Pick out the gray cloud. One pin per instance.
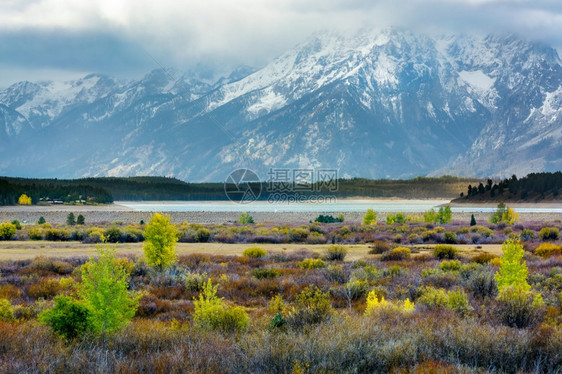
(114, 36)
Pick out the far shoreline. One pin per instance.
(117, 212)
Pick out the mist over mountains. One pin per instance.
(376, 104)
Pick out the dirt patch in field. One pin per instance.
(22, 250)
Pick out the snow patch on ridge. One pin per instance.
(269, 102)
(477, 80)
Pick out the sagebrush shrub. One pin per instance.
(202, 235)
(113, 235)
(548, 249)
(519, 308)
(195, 281)
(211, 312)
(68, 318)
(53, 234)
(433, 297)
(35, 233)
(312, 306)
(7, 231)
(255, 252)
(355, 289)
(44, 289)
(443, 251)
(483, 258)
(378, 247)
(266, 273)
(527, 234)
(455, 300)
(458, 301)
(336, 253)
(549, 233)
(483, 284)
(397, 254)
(452, 265)
(450, 237)
(311, 263)
(6, 310)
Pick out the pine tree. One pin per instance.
(472, 220)
(70, 220)
(80, 220)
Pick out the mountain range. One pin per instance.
(375, 103)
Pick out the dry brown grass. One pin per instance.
(468, 249)
(23, 250)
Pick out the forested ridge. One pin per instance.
(109, 189)
(533, 187)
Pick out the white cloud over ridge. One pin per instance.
(228, 32)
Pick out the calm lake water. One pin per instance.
(337, 206)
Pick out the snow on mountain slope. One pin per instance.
(376, 103)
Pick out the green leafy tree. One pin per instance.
(513, 270)
(104, 291)
(498, 214)
(80, 220)
(370, 217)
(444, 215)
(70, 219)
(245, 218)
(430, 216)
(160, 241)
(41, 220)
(518, 306)
(504, 215)
(24, 200)
(395, 218)
(69, 318)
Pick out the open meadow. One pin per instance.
(406, 296)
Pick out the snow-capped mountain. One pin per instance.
(379, 104)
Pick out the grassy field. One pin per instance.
(24, 250)
(295, 310)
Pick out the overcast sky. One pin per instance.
(54, 39)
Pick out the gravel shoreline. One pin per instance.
(116, 212)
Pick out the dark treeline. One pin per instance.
(533, 187)
(418, 188)
(108, 189)
(40, 189)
